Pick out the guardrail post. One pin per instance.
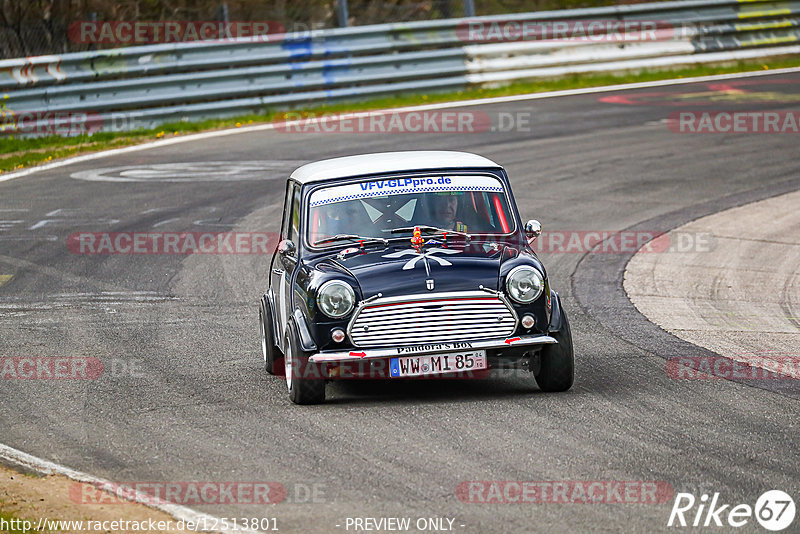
(92, 18)
(342, 15)
(222, 15)
(469, 8)
(444, 8)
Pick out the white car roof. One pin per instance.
(386, 162)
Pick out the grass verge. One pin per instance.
(12, 525)
(19, 153)
(59, 503)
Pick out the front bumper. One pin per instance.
(355, 355)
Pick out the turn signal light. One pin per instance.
(528, 321)
(337, 334)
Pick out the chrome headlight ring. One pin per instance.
(336, 299)
(524, 284)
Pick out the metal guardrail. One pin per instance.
(145, 86)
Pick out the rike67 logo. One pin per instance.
(774, 510)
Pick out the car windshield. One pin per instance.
(378, 208)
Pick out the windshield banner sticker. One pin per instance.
(404, 186)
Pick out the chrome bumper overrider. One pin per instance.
(429, 348)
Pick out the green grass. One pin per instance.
(7, 517)
(18, 153)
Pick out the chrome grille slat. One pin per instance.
(432, 318)
(420, 304)
(446, 309)
(451, 335)
(452, 326)
(436, 313)
(428, 338)
(496, 325)
(468, 304)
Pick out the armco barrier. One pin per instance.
(144, 86)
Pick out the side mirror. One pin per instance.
(533, 229)
(287, 248)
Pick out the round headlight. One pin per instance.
(524, 284)
(336, 299)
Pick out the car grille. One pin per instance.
(432, 318)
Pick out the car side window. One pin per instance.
(294, 219)
(287, 211)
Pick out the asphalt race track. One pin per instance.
(188, 399)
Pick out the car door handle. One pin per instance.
(277, 271)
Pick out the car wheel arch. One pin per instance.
(556, 317)
(268, 301)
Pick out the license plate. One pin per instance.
(436, 364)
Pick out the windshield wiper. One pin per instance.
(429, 230)
(351, 237)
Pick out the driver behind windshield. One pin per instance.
(344, 218)
(444, 210)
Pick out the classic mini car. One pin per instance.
(408, 264)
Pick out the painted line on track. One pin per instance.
(45, 467)
(426, 107)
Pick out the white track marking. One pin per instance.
(153, 210)
(40, 224)
(45, 467)
(156, 225)
(29, 238)
(204, 171)
(443, 105)
(63, 212)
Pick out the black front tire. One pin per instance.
(557, 361)
(269, 350)
(303, 378)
